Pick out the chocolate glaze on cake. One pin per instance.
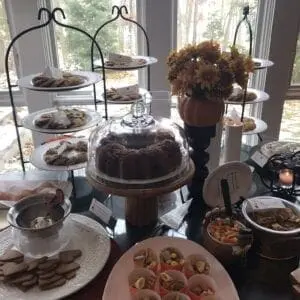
(138, 156)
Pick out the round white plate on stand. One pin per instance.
(261, 96)
(88, 236)
(133, 65)
(117, 284)
(261, 126)
(145, 96)
(37, 157)
(92, 119)
(89, 79)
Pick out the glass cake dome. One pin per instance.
(137, 149)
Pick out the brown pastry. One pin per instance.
(146, 258)
(171, 281)
(171, 259)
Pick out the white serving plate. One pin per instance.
(261, 96)
(117, 284)
(92, 119)
(133, 65)
(89, 79)
(88, 236)
(37, 157)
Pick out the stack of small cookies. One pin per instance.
(46, 273)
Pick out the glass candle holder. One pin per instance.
(286, 177)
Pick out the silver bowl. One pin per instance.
(247, 209)
(34, 218)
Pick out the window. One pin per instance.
(290, 126)
(214, 19)
(73, 48)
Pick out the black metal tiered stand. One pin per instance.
(200, 137)
(119, 14)
(50, 16)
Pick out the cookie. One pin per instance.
(33, 264)
(11, 268)
(47, 275)
(69, 256)
(30, 283)
(70, 275)
(55, 284)
(48, 281)
(67, 268)
(50, 263)
(21, 278)
(11, 255)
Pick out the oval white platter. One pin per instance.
(117, 284)
(133, 65)
(89, 79)
(261, 126)
(261, 96)
(37, 157)
(92, 119)
(263, 63)
(279, 147)
(145, 95)
(88, 236)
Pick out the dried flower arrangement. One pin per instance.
(204, 71)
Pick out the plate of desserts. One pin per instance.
(123, 62)
(250, 125)
(125, 95)
(57, 276)
(55, 80)
(67, 154)
(169, 268)
(279, 147)
(253, 96)
(61, 120)
(260, 63)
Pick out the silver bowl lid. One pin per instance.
(266, 202)
(33, 214)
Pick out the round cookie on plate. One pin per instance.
(202, 287)
(141, 279)
(146, 258)
(176, 296)
(195, 264)
(171, 259)
(171, 281)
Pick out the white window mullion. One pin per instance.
(282, 50)
(29, 48)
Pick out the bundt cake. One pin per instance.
(138, 156)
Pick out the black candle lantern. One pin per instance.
(283, 172)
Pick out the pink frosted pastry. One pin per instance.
(195, 264)
(171, 281)
(141, 279)
(202, 287)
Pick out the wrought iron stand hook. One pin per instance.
(94, 42)
(10, 86)
(244, 19)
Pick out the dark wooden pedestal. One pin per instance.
(199, 140)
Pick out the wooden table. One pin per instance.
(142, 200)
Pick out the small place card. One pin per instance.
(103, 213)
(259, 158)
(265, 203)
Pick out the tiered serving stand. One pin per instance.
(91, 78)
(261, 96)
(141, 199)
